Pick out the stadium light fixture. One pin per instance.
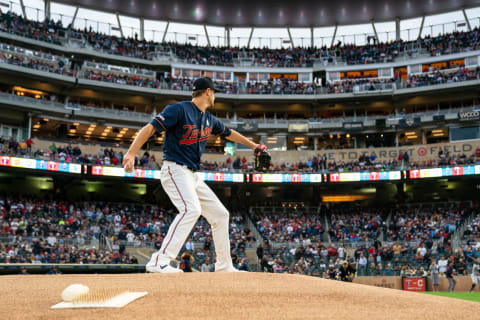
(437, 131)
(410, 133)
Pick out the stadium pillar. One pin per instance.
(206, 34)
(29, 125)
(334, 35)
(375, 31)
(421, 27)
(47, 9)
(397, 29)
(23, 9)
(290, 36)
(250, 37)
(311, 37)
(142, 28)
(466, 20)
(165, 32)
(74, 17)
(227, 32)
(119, 25)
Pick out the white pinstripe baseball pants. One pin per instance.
(192, 197)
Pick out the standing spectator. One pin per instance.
(260, 252)
(475, 273)
(406, 158)
(189, 246)
(461, 267)
(341, 252)
(451, 280)
(434, 271)
(362, 261)
(442, 264)
(206, 267)
(29, 145)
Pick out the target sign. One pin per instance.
(422, 151)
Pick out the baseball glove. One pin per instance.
(262, 158)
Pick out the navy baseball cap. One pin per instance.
(203, 84)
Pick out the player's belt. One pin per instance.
(181, 165)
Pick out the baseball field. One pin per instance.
(474, 296)
(227, 296)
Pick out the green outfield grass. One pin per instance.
(474, 296)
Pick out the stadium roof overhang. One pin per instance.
(275, 13)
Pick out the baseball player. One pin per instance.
(475, 273)
(187, 126)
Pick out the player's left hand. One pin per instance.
(128, 162)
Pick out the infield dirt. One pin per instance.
(227, 296)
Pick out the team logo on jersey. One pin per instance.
(194, 135)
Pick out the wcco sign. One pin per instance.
(469, 115)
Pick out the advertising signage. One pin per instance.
(36, 164)
(365, 176)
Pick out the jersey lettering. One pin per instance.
(193, 135)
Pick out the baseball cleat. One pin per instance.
(165, 268)
(159, 264)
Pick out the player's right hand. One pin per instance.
(128, 162)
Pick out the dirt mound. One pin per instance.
(227, 296)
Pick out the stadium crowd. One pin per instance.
(37, 63)
(425, 222)
(272, 86)
(48, 231)
(286, 57)
(130, 80)
(410, 243)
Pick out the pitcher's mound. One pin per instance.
(227, 296)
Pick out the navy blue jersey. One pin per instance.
(186, 132)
